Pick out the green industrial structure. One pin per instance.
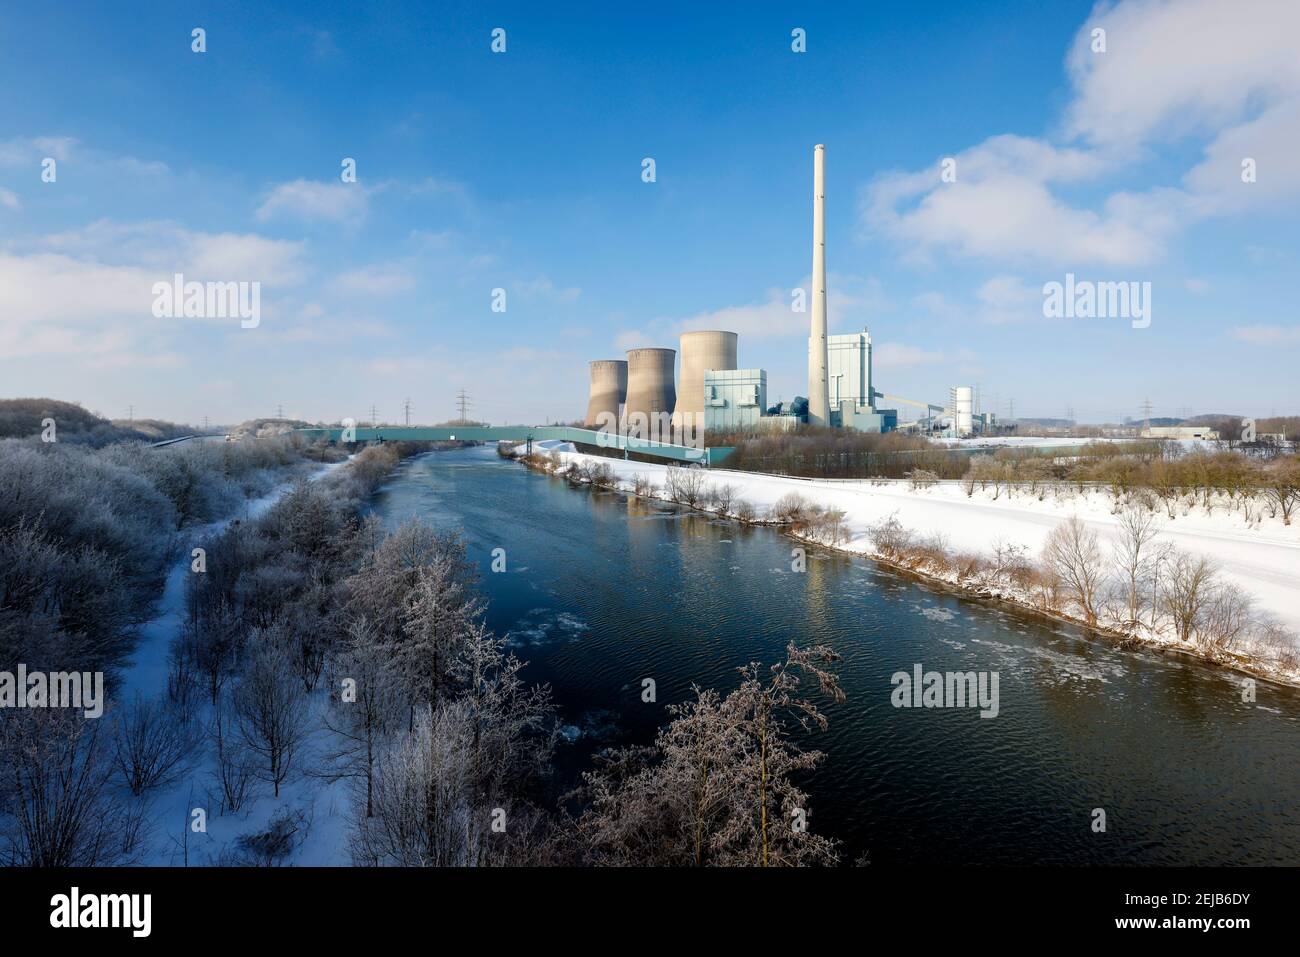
(520, 433)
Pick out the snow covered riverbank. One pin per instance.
(1262, 558)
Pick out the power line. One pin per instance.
(464, 402)
(406, 407)
(373, 415)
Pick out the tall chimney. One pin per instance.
(819, 400)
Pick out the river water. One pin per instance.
(602, 591)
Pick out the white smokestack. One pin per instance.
(818, 385)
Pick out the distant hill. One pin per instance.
(266, 428)
(23, 418)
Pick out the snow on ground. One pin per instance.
(1023, 441)
(323, 803)
(1262, 559)
(147, 672)
(1059, 441)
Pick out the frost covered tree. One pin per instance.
(364, 700)
(58, 805)
(455, 790)
(717, 786)
(439, 614)
(270, 711)
(152, 742)
(423, 809)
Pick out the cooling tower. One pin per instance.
(608, 392)
(650, 390)
(701, 351)
(819, 411)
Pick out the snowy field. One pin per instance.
(1263, 558)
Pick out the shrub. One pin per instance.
(890, 538)
(791, 509)
(151, 744)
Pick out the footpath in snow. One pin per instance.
(323, 803)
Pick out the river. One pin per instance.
(602, 591)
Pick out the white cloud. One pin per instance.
(852, 303)
(88, 293)
(898, 355)
(1008, 299)
(1225, 73)
(314, 201)
(32, 149)
(380, 280)
(1177, 69)
(166, 247)
(544, 289)
(9, 199)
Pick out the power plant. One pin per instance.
(641, 395)
(608, 391)
(701, 352)
(650, 389)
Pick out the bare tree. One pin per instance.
(1072, 552)
(270, 711)
(59, 808)
(890, 538)
(1226, 618)
(724, 497)
(233, 771)
(1186, 591)
(151, 744)
(363, 701)
(685, 486)
(1281, 485)
(423, 812)
(1134, 555)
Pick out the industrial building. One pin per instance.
(642, 394)
(734, 399)
(1184, 432)
(852, 399)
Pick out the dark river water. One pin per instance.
(602, 591)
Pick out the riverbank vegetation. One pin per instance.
(86, 535)
(1136, 587)
(335, 681)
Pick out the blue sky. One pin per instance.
(522, 171)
